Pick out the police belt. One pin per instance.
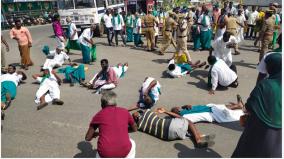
(182, 36)
(169, 30)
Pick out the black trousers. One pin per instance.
(116, 32)
(250, 31)
(109, 32)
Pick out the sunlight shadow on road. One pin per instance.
(186, 152)
(86, 149)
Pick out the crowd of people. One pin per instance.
(219, 31)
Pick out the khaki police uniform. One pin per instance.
(182, 31)
(189, 24)
(170, 25)
(267, 35)
(231, 27)
(148, 21)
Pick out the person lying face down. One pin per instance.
(169, 129)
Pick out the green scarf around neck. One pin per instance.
(44, 77)
(135, 22)
(118, 20)
(129, 21)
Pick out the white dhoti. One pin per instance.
(50, 86)
(119, 70)
(101, 84)
(240, 34)
(219, 33)
(131, 153)
(59, 41)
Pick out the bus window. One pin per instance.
(100, 3)
(84, 4)
(65, 4)
(110, 2)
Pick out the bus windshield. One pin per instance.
(65, 4)
(84, 4)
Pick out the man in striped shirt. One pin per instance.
(170, 128)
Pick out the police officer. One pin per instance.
(182, 30)
(189, 17)
(170, 25)
(231, 27)
(148, 25)
(267, 30)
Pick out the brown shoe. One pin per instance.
(42, 105)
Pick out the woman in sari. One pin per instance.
(262, 135)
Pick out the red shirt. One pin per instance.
(113, 138)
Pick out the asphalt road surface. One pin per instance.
(59, 131)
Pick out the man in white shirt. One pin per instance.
(73, 42)
(220, 75)
(59, 56)
(179, 70)
(231, 9)
(48, 90)
(205, 30)
(9, 83)
(221, 48)
(251, 22)
(86, 41)
(137, 30)
(117, 23)
(109, 28)
(149, 94)
(262, 65)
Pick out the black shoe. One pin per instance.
(42, 105)
(57, 102)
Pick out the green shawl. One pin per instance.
(113, 21)
(129, 21)
(266, 98)
(266, 101)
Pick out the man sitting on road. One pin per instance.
(149, 94)
(58, 57)
(108, 77)
(170, 128)
(220, 75)
(48, 90)
(112, 122)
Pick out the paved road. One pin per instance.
(58, 131)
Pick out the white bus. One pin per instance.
(85, 12)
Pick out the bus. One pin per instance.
(85, 12)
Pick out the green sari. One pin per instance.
(275, 33)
